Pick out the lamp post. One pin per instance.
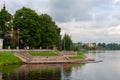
(60, 43)
(64, 44)
(18, 38)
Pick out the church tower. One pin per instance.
(4, 6)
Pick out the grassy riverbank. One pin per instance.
(78, 56)
(46, 53)
(8, 58)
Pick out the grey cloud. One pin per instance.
(79, 10)
(13, 5)
(104, 11)
(60, 4)
(98, 3)
(69, 9)
(96, 35)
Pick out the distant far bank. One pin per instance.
(98, 46)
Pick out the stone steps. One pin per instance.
(67, 53)
(27, 58)
(24, 56)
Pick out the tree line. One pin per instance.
(98, 46)
(27, 28)
(66, 44)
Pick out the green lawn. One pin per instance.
(76, 57)
(8, 58)
(45, 53)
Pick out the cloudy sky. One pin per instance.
(84, 20)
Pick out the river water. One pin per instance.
(109, 69)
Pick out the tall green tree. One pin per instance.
(67, 42)
(27, 21)
(36, 30)
(51, 32)
(5, 26)
(5, 21)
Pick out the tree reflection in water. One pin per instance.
(40, 72)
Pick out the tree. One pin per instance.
(101, 46)
(5, 26)
(66, 42)
(27, 21)
(75, 47)
(5, 21)
(113, 46)
(36, 30)
(51, 32)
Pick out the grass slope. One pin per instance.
(8, 58)
(78, 56)
(44, 53)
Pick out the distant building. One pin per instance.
(91, 44)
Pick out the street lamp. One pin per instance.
(60, 43)
(18, 38)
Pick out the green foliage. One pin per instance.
(100, 46)
(79, 53)
(36, 30)
(8, 58)
(51, 32)
(5, 26)
(5, 22)
(79, 56)
(6, 42)
(44, 53)
(111, 46)
(75, 47)
(76, 57)
(66, 42)
(26, 20)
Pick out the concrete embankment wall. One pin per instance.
(26, 50)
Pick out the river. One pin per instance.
(109, 69)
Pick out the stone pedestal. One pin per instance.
(54, 48)
(27, 47)
(8, 47)
(1, 43)
(17, 47)
(40, 48)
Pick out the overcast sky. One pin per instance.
(84, 20)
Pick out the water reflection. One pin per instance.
(39, 72)
(6, 70)
(109, 69)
